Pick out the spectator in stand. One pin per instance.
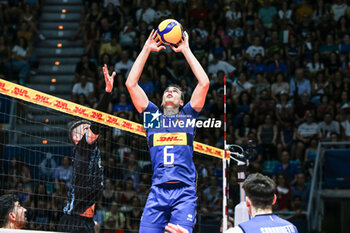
(219, 65)
(338, 9)
(132, 170)
(114, 16)
(274, 45)
(337, 86)
(319, 87)
(201, 31)
(114, 219)
(264, 105)
(146, 84)
(344, 47)
(212, 195)
(300, 189)
(267, 137)
(23, 194)
(254, 49)
(304, 9)
(83, 87)
(285, 13)
(332, 64)
(21, 52)
(257, 66)
(284, 109)
(107, 194)
(285, 166)
(112, 48)
(315, 65)
(319, 11)
(133, 216)
(128, 192)
(287, 138)
(233, 12)
(162, 11)
(328, 126)
(19, 172)
(311, 151)
(279, 86)
(85, 66)
(63, 172)
(261, 85)
(241, 84)
(302, 106)
(283, 192)
(243, 106)
(298, 219)
(268, 14)
(242, 129)
(123, 106)
(306, 131)
(277, 65)
(293, 50)
(300, 84)
(106, 31)
(346, 126)
(146, 13)
(123, 150)
(29, 17)
(329, 47)
(124, 65)
(91, 39)
(127, 35)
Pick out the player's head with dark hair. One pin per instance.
(260, 191)
(173, 96)
(12, 214)
(77, 130)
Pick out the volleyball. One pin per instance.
(170, 32)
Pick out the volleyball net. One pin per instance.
(36, 164)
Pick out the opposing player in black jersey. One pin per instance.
(87, 175)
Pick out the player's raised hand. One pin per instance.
(153, 43)
(108, 79)
(175, 228)
(183, 44)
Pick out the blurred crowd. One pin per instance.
(18, 33)
(287, 65)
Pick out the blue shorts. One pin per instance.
(176, 205)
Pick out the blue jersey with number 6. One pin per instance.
(170, 141)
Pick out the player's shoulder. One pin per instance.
(234, 230)
(283, 221)
(187, 109)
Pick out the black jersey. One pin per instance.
(87, 178)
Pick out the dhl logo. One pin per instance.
(170, 139)
(161, 139)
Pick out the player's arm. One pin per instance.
(138, 96)
(200, 92)
(94, 130)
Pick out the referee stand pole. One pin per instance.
(224, 169)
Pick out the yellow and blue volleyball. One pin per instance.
(170, 32)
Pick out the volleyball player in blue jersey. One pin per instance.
(260, 196)
(172, 197)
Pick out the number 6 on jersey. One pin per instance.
(168, 157)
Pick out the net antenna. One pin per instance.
(241, 157)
